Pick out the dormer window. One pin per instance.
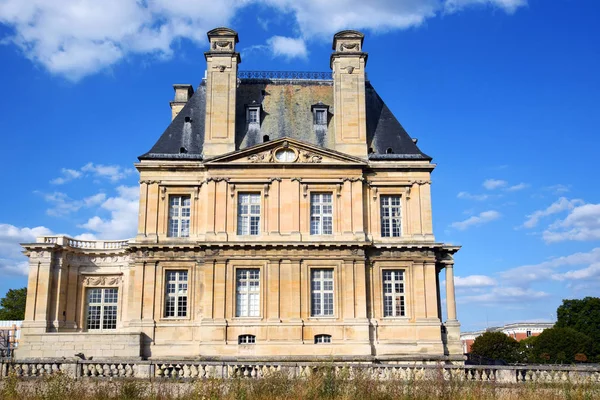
(320, 117)
(319, 112)
(253, 113)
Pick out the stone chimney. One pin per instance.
(182, 94)
(221, 84)
(348, 64)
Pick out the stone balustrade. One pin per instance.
(160, 370)
(84, 244)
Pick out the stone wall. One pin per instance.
(96, 345)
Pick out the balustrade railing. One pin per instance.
(84, 244)
(256, 370)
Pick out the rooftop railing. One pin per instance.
(286, 75)
(83, 244)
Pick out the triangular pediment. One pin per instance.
(285, 151)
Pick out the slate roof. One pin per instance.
(285, 112)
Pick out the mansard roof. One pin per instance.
(285, 112)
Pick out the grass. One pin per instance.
(323, 385)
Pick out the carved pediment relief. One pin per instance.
(286, 151)
(102, 280)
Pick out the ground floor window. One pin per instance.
(102, 308)
(246, 339)
(322, 339)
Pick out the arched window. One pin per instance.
(265, 138)
(319, 339)
(389, 151)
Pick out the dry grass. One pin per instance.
(324, 385)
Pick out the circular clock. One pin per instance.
(285, 155)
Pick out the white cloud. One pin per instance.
(469, 196)
(122, 223)
(562, 204)
(68, 175)
(14, 267)
(287, 47)
(11, 260)
(558, 189)
(582, 224)
(517, 187)
(114, 173)
(510, 6)
(473, 281)
(482, 218)
(593, 271)
(491, 184)
(501, 295)
(75, 38)
(546, 270)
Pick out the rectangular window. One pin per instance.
(393, 293)
(247, 292)
(102, 308)
(253, 115)
(176, 293)
(321, 117)
(391, 217)
(321, 214)
(246, 339)
(248, 214)
(321, 287)
(179, 216)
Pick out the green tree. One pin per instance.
(497, 346)
(12, 306)
(560, 346)
(583, 316)
(526, 349)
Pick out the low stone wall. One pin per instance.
(159, 370)
(91, 345)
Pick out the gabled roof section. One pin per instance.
(299, 153)
(184, 137)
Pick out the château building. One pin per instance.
(282, 216)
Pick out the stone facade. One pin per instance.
(332, 258)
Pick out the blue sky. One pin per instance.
(504, 94)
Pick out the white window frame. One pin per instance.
(391, 224)
(319, 217)
(322, 291)
(394, 289)
(251, 217)
(253, 112)
(320, 116)
(179, 216)
(246, 339)
(322, 339)
(247, 292)
(178, 281)
(105, 302)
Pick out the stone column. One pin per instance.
(450, 298)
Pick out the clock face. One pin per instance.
(285, 155)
